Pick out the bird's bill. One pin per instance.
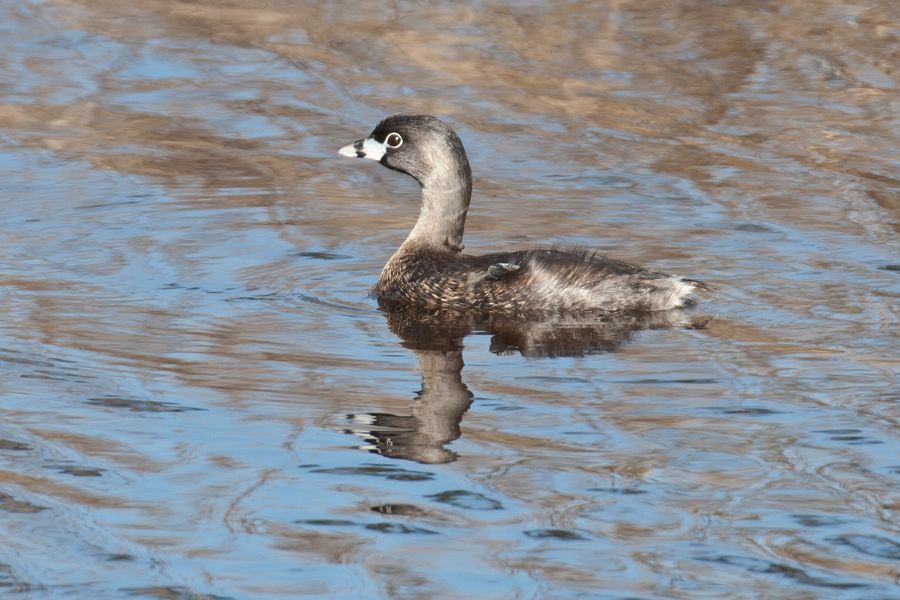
(365, 148)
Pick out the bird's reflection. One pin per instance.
(436, 338)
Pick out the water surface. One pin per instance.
(199, 400)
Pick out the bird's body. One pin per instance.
(525, 281)
(430, 270)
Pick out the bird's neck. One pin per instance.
(445, 202)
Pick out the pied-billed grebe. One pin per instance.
(430, 270)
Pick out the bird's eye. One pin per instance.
(393, 140)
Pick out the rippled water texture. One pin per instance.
(199, 400)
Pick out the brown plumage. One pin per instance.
(429, 269)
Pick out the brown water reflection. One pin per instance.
(185, 322)
(436, 337)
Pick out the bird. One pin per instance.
(430, 270)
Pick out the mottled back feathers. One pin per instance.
(527, 281)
